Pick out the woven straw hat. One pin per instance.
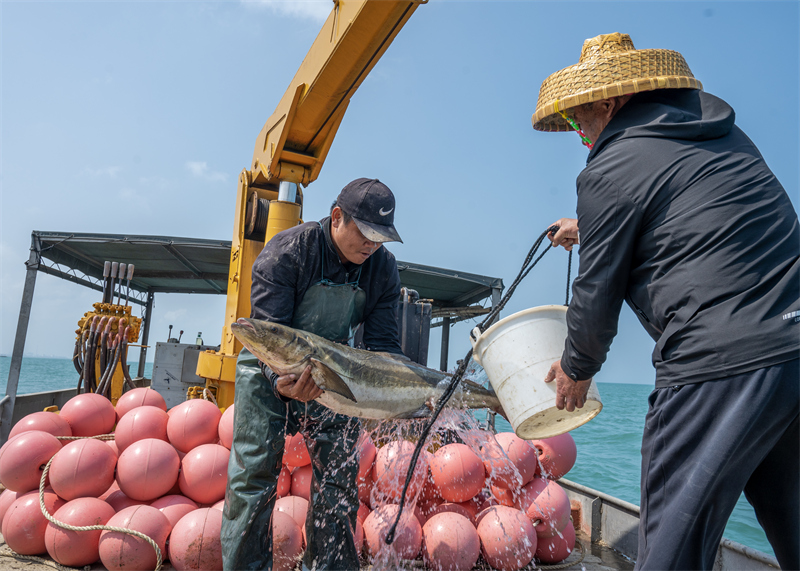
(609, 67)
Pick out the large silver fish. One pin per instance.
(356, 382)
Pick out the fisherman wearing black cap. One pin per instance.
(324, 277)
(681, 218)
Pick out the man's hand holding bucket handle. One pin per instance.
(567, 234)
(569, 394)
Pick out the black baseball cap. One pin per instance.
(371, 205)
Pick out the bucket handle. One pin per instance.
(474, 337)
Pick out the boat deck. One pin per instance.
(596, 558)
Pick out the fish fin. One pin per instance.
(333, 382)
(421, 412)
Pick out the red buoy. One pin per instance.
(225, 429)
(408, 535)
(82, 469)
(520, 453)
(140, 423)
(121, 551)
(301, 481)
(192, 423)
(550, 509)
(457, 472)
(295, 453)
(7, 498)
(508, 541)
(558, 547)
(23, 458)
(143, 396)
(119, 501)
(24, 524)
(45, 421)
(294, 506)
(391, 466)
(77, 548)
(147, 469)
(287, 542)
(89, 414)
(450, 543)
(174, 507)
(204, 473)
(557, 455)
(195, 541)
(284, 481)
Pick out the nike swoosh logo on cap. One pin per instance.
(382, 213)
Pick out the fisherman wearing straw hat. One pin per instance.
(681, 218)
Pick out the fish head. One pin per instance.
(279, 346)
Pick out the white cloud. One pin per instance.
(200, 169)
(316, 10)
(102, 172)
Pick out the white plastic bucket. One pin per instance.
(516, 353)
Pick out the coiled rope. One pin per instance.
(527, 266)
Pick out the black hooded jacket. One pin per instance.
(680, 216)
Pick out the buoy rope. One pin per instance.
(208, 395)
(69, 527)
(6, 551)
(527, 266)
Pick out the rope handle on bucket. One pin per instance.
(69, 527)
(527, 266)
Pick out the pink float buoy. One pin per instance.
(457, 472)
(504, 496)
(174, 507)
(550, 508)
(558, 547)
(147, 469)
(23, 457)
(408, 535)
(6, 499)
(77, 548)
(366, 457)
(139, 397)
(508, 541)
(301, 481)
(192, 423)
(121, 551)
(391, 466)
(295, 453)
(195, 541)
(464, 509)
(359, 537)
(363, 511)
(24, 524)
(114, 487)
(287, 542)
(82, 469)
(284, 481)
(294, 506)
(119, 501)
(140, 423)
(365, 487)
(225, 429)
(500, 470)
(49, 422)
(520, 453)
(204, 473)
(557, 455)
(450, 542)
(113, 445)
(89, 414)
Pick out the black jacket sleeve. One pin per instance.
(609, 223)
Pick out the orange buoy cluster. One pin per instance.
(500, 502)
(164, 475)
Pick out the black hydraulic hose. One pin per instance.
(105, 330)
(527, 266)
(126, 373)
(88, 368)
(102, 387)
(76, 356)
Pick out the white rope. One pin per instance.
(91, 527)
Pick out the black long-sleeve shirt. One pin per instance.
(681, 217)
(291, 262)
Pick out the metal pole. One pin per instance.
(445, 343)
(19, 341)
(148, 312)
(497, 294)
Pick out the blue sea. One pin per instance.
(608, 446)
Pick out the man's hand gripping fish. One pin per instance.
(357, 382)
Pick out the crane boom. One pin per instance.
(291, 149)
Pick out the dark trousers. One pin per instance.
(261, 423)
(704, 444)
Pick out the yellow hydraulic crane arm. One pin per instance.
(295, 140)
(291, 149)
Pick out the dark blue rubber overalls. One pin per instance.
(262, 421)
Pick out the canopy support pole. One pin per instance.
(148, 313)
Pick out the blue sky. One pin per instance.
(136, 117)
